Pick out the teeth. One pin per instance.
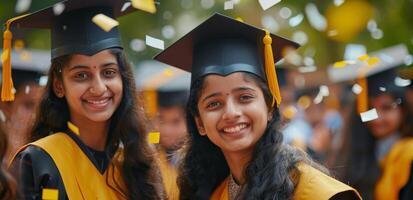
(97, 102)
(235, 128)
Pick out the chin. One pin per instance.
(103, 117)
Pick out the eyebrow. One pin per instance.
(238, 89)
(80, 66)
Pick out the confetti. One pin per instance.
(324, 90)
(363, 57)
(27, 89)
(304, 102)
(373, 61)
(369, 115)
(296, 20)
(402, 82)
(356, 89)
(338, 2)
(154, 137)
(50, 194)
(104, 22)
(289, 112)
(137, 45)
(43, 80)
(58, 8)
(125, 6)
(145, 5)
(307, 69)
(332, 33)
(383, 89)
(2, 116)
(316, 20)
(340, 64)
(154, 42)
(265, 4)
(22, 5)
(228, 5)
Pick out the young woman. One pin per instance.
(235, 148)
(7, 183)
(377, 155)
(89, 136)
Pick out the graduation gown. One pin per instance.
(64, 163)
(313, 184)
(169, 175)
(396, 180)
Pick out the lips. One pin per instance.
(236, 128)
(98, 104)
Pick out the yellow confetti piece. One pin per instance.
(304, 102)
(239, 19)
(340, 64)
(50, 194)
(363, 57)
(168, 72)
(373, 61)
(145, 5)
(18, 45)
(154, 137)
(104, 22)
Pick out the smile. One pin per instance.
(98, 104)
(235, 129)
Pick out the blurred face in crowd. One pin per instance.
(232, 112)
(390, 116)
(409, 99)
(172, 126)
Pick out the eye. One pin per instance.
(213, 105)
(246, 97)
(81, 76)
(109, 73)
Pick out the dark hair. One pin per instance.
(126, 128)
(268, 175)
(359, 165)
(7, 183)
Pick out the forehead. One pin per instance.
(382, 99)
(99, 58)
(227, 83)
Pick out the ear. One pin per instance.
(270, 114)
(200, 126)
(58, 88)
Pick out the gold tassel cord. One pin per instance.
(362, 98)
(7, 93)
(270, 69)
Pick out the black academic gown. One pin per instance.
(34, 169)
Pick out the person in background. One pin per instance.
(377, 155)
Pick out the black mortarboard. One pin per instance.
(170, 98)
(222, 45)
(384, 82)
(72, 31)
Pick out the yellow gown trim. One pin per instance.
(313, 184)
(80, 177)
(169, 176)
(396, 168)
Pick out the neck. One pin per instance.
(93, 134)
(237, 163)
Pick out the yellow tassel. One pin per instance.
(362, 98)
(151, 102)
(7, 87)
(270, 69)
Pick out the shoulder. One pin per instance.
(314, 183)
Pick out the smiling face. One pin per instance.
(233, 113)
(92, 86)
(390, 116)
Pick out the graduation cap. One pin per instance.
(71, 32)
(171, 98)
(221, 45)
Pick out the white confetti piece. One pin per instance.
(402, 82)
(58, 8)
(43, 80)
(296, 20)
(369, 115)
(27, 89)
(316, 20)
(324, 90)
(318, 99)
(104, 22)
(383, 89)
(338, 2)
(228, 5)
(154, 42)
(265, 4)
(356, 89)
(2, 116)
(22, 5)
(125, 6)
(307, 69)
